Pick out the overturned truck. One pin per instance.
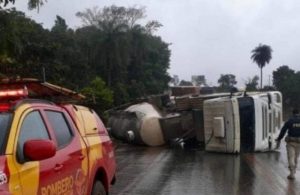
(154, 123)
(145, 124)
(243, 123)
(224, 122)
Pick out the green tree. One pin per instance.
(226, 82)
(261, 55)
(24, 44)
(98, 93)
(32, 4)
(282, 77)
(124, 52)
(116, 28)
(112, 26)
(115, 46)
(67, 64)
(251, 84)
(287, 81)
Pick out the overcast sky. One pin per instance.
(208, 37)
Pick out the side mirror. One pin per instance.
(39, 149)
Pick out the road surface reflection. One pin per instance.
(177, 171)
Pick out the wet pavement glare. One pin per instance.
(177, 171)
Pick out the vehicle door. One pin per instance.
(72, 165)
(31, 125)
(108, 149)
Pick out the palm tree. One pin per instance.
(261, 55)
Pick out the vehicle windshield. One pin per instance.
(5, 119)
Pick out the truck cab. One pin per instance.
(243, 122)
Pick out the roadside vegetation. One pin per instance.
(115, 51)
(32, 4)
(113, 58)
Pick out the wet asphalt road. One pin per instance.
(177, 171)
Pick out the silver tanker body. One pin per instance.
(138, 124)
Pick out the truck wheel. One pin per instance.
(98, 188)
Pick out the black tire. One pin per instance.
(98, 188)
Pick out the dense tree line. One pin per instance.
(32, 4)
(287, 81)
(112, 49)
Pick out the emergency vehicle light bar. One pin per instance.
(14, 93)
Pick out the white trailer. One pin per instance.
(243, 123)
